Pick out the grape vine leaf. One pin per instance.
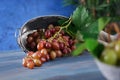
(80, 17)
(88, 26)
(94, 47)
(80, 47)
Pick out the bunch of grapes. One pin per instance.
(45, 45)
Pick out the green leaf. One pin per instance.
(79, 36)
(80, 47)
(94, 28)
(80, 15)
(102, 22)
(90, 31)
(102, 6)
(94, 47)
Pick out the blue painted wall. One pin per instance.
(13, 14)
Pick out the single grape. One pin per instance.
(43, 59)
(47, 34)
(47, 57)
(43, 52)
(55, 45)
(65, 51)
(57, 28)
(35, 34)
(50, 26)
(58, 53)
(66, 38)
(53, 55)
(36, 55)
(52, 30)
(62, 45)
(73, 47)
(29, 54)
(37, 62)
(40, 45)
(38, 40)
(69, 50)
(30, 39)
(30, 64)
(48, 45)
(71, 42)
(33, 45)
(67, 44)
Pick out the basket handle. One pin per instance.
(112, 27)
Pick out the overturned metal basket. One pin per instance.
(36, 23)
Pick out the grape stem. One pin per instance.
(61, 28)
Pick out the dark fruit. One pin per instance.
(36, 55)
(30, 39)
(57, 28)
(47, 34)
(35, 34)
(65, 51)
(37, 62)
(55, 45)
(62, 45)
(42, 59)
(53, 55)
(58, 53)
(30, 65)
(40, 45)
(33, 45)
(29, 54)
(50, 26)
(47, 57)
(48, 45)
(73, 47)
(43, 52)
(52, 30)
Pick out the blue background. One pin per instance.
(14, 13)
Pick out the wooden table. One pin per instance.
(67, 68)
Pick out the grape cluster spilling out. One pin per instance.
(48, 44)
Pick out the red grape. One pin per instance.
(58, 53)
(30, 39)
(48, 45)
(42, 59)
(47, 34)
(37, 62)
(40, 45)
(30, 64)
(62, 45)
(52, 55)
(55, 45)
(44, 52)
(65, 51)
